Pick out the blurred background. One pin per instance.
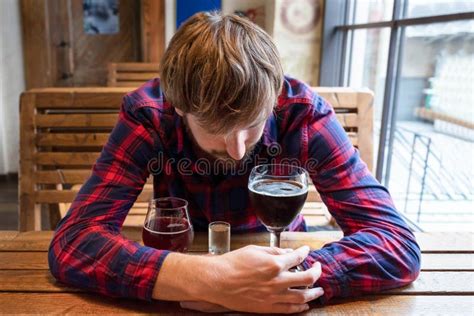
(415, 55)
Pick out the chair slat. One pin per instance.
(150, 67)
(76, 120)
(68, 139)
(348, 119)
(87, 98)
(66, 159)
(62, 176)
(142, 76)
(339, 97)
(129, 83)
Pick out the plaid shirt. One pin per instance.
(378, 251)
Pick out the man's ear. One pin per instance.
(180, 113)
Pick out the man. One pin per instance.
(222, 95)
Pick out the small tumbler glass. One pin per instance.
(219, 238)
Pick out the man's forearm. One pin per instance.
(182, 278)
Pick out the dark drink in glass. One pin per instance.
(277, 203)
(277, 193)
(168, 233)
(167, 225)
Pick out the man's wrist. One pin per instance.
(184, 278)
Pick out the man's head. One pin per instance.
(223, 74)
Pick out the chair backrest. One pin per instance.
(62, 131)
(131, 74)
(354, 111)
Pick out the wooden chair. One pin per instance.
(131, 74)
(62, 131)
(354, 110)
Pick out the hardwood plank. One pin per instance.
(446, 242)
(8, 234)
(89, 303)
(31, 281)
(66, 158)
(14, 260)
(80, 303)
(76, 120)
(428, 283)
(37, 241)
(28, 241)
(445, 261)
(76, 139)
(37, 260)
(440, 282)
(40, 240)
(429, 242)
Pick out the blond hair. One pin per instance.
(223, 69)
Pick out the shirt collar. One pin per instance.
(270, 131)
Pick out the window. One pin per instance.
(418, 58)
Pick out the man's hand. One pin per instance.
(252, 279)
(256, 279)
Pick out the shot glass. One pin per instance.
(219, 238)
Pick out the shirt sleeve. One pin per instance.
(378, 251)
(88, 250)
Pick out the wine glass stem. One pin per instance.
(275, 239)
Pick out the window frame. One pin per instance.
(336, 57)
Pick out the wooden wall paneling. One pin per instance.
(61, 42)
(152, 30)
(36, 55)
(93, 52)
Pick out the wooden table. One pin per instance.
(444, 287)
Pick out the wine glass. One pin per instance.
(277, 192)
(167, 225)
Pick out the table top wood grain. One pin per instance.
(445, 284)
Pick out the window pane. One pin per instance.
(373, 11)
(368, 67)
(418, 8)
(431, 169)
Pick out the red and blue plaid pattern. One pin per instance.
(378, 251)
